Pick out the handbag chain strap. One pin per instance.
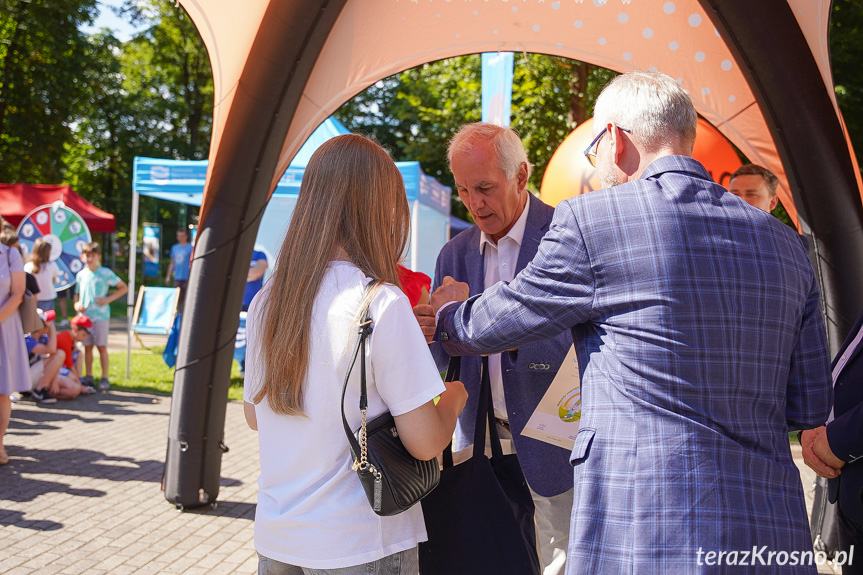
(365, 331)
(360, 448)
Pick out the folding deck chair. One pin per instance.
(154, 311)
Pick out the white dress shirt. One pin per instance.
(500, 261)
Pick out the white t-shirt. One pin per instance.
(45, 279)
(312, 510)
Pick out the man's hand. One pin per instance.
(425, 317)
(811, 458)
(822, 449)
(450, 290)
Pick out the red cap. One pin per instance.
(82, 321)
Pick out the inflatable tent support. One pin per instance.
(285, 48)
(810, 140)
(807, 132)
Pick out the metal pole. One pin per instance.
(130, 297)
(415, 235)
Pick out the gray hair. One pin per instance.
(507, 145)
(755, 170)
(656, 109)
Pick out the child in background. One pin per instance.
(68, 341)
(45, 271)
(92, 298)
(46, 362)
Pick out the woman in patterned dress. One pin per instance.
(14, 368)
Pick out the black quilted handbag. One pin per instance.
(393, 479)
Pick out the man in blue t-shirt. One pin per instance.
(254, 283)
(181, 262)
(255, 277)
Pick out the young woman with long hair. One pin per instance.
(44, 270)
(350, 227)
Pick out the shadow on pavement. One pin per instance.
(22, 489)
(106, 404)
(16, 518)
(42, 418)
(234, 509)
(66, 462)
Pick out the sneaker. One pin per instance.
(87, 380)
(41, 396)
(104, 385)
(62, 324)
(88, 389)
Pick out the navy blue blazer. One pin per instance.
(845, 432)
(526, 373)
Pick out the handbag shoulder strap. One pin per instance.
(494, 436)
(453, 373)
(485, 416)
(365, 330)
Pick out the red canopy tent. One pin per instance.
(18, 200)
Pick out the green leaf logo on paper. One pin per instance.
(569, 408)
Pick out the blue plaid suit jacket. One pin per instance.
(698, 330)
(526, 373)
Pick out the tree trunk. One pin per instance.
(577, 108)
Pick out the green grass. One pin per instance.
(149, 374)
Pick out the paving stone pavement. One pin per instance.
(81, 493)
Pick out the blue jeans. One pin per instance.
(402, 563)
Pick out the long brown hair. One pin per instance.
(352, 199)
(41, 254)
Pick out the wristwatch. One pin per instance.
(800, 437)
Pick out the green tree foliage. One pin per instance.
(167, 72)
(150, 96)
(551, 96)
(846, 53)
(109, 132)
(77, 108)
(415, 113)
(43, 56)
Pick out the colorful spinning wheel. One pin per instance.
(67, 233)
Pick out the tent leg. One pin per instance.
(130, 298)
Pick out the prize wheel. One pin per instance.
(67, 233)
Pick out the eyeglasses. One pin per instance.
(590, 152)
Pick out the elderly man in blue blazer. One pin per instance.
(491, 171)
(698, 331)
(835, 451)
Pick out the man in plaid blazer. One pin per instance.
(698, 330)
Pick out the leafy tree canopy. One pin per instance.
(415, 113)
(43, 57)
